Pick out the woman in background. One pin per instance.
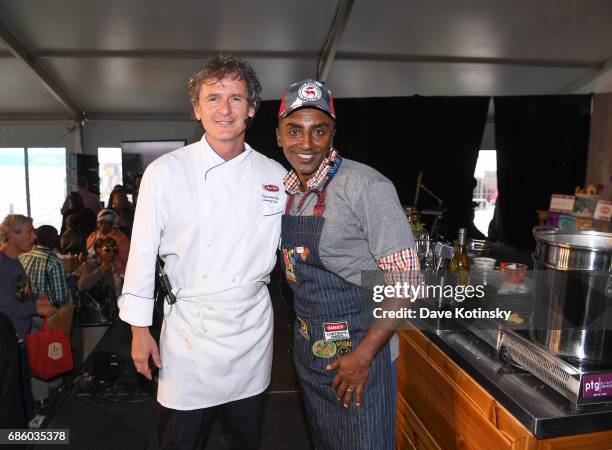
(119, 202)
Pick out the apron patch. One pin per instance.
(324, 349)
(288, 259)
(343, 347)
(336, 331)
(303, 252)
(303, 328)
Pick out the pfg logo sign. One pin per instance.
(597, 385)
(592, 386)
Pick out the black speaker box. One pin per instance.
(90, 427)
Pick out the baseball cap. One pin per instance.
(307, 93)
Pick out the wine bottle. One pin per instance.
(460, 262)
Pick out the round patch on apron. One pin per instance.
(344, 351)
(324, 349)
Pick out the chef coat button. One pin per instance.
(204, 276)
(238, 246)
(210, 307)
(208, 243)
(235, 279)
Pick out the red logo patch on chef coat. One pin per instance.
(270, 187)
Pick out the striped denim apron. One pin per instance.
(322, 298)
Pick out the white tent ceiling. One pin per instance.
(132, 59)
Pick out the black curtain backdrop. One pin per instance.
(261, 135)
(400, 137)
(542, 145)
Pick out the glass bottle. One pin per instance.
(460, 262)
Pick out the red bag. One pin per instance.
(49, 353)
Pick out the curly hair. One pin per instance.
(220, 67)
(14, 223)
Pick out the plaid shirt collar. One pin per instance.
(292, 181)
(40, 250)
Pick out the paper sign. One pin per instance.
(603, 210)
(562, 203)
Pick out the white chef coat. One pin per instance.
(217, 225)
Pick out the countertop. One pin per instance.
(546, 413)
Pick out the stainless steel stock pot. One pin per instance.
(572, 306)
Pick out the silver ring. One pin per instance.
(349, 390)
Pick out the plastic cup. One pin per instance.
(484, 263)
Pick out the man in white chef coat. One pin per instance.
(212, 210)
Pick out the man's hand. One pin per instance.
(143, 346)
(44, 307)
(353, 370)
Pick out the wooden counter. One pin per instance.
(441, 407)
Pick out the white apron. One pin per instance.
(220, 227)
(228, 345)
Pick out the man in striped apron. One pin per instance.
(341, 218)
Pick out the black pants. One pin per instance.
(240, 425)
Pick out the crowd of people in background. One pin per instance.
(41, 272)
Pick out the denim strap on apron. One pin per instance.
(328, 310)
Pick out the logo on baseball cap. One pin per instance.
(307, 93)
